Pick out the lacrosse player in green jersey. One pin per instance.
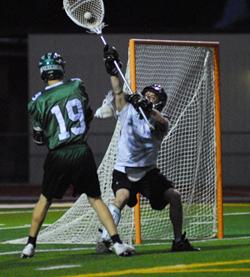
(61, 116)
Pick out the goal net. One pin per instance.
(189, 155)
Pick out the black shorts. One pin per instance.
(72, 165)
(152, 186)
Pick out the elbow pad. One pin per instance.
(38, 136)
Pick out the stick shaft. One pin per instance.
(127, 85)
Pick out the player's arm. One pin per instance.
(161, 122)
(38, 136)
(88, 112)
(110, 55)
(37, 131)
(120, 101)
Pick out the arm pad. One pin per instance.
(38, 136)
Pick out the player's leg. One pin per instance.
(105, 217)
(161, 192)
(86, 181)
(121, 187)
(124, 194)
(54, 185)
(180, 242)
(38, 216)
(115, 208)
(173, 197)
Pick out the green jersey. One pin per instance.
(61, 111)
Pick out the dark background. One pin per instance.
(21, 18)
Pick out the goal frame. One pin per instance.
(215, 46)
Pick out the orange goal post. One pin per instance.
(189, 72)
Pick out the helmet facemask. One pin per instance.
(160, 93)
(51, 66)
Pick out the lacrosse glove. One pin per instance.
(110, 55)
(140, 102)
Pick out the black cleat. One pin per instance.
(183, 245)
(103, 247)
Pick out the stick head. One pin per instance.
(86, 13)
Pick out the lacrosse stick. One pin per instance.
(89, 14)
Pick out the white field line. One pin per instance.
(204, 240)
(59, 267)
(243, 213)
(44, 225)
(30, 206)
(92, 248)
(30, 211)
(49, 250)
(19, 227)
(63, 210)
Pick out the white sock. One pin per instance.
(116, 214)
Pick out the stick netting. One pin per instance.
(187, 155)
(76, 10)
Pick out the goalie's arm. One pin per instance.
(120, 101)
(161, 122)
(110, 56)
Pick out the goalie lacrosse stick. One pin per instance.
(89, 14)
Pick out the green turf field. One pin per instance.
(227, 257)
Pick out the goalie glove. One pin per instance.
(110, 55)
(38, 136)
(140, 102)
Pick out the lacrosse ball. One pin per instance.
(87, 15)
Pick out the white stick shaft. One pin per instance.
(103, 39)
(127, 85)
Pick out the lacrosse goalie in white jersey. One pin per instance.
(135, 169)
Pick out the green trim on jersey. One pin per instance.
(60, 111)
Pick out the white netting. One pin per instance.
(77, 9)
(187, 156)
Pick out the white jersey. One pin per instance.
(138, 146)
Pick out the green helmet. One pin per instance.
(51, 66)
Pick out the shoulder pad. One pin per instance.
(36, 96)
(75, 79)
(80, 81)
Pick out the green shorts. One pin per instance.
(72, 165)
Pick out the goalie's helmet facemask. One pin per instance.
(161, 94)
(51, 66)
